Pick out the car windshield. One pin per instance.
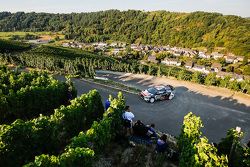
(152, 90)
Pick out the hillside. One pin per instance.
(159, 28)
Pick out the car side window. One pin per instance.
(168, 90)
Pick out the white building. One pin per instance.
(171, 61)
(217, 55)
(200, 69)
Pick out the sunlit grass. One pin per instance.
(52, 35)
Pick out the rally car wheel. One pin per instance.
(171, 96)
(152, 100)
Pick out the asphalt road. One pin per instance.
(217, 115)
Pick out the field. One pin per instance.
(43, 35)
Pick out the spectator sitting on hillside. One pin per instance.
(139, 129)
(161, 145)
(151, 131)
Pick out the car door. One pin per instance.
(158, 95)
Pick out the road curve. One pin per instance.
(218, 114)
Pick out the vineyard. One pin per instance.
(13, 46)
(26, 95)
(65, 133)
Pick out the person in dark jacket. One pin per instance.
(151, 131)
(161, 145)
(140, 129)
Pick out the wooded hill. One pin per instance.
(189, 30)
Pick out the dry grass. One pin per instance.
(44, 35)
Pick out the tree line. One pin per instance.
(189, 30)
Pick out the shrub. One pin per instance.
(194, 150)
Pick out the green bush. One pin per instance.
(231, 146)
(194, 150)
(72, 157)
(198, 77)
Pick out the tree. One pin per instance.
(230, 146)
(211, 79)
(150, 70)
(234, 85)
(245, 61)
(225, 81)
(194, 150)
(246, 70)
(159, 71)
(198, 77)
(140, 68)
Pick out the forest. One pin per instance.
(190, 30)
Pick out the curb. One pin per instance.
(112, 87)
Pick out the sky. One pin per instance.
(227, 7)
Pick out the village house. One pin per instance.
(115, 51)
(230, 59)
(136, 47)
(166, 48)
(203, 55)
(238, 77)
(122, 44)
(200, 68)
(216, 67)
(222, 74)
(177, 54)
(143, 62)
(113, 44)
(233, 76)
(65, 44)
(217, 55)
(152, 59)
(133, 46)
(171, 61)
(148, 47)
(102, 44)
(240, 58)
(189, 64)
